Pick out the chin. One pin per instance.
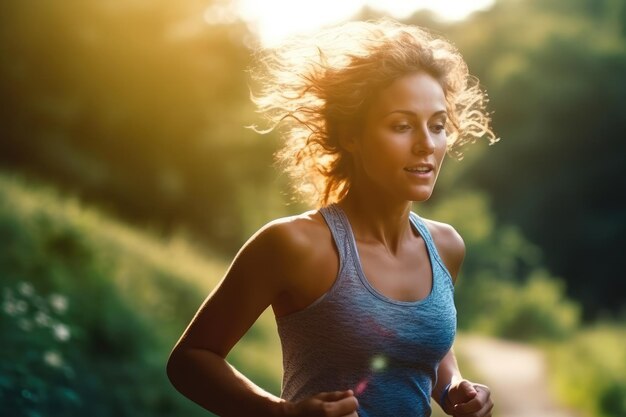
(419, 196)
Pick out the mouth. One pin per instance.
(420, 169)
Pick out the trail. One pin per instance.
(516, 374)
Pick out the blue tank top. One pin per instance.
(354, 337)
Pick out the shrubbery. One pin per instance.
(90, 309)
(533, 311)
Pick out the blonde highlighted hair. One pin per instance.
(320, 87)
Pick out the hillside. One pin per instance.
(91, 308)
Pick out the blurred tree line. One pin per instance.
(138, 105)
(141, 106)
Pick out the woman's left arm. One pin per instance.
(456, 396)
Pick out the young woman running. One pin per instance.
(361, 287)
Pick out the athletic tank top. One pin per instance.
(354, 337)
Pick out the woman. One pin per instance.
(362, 288)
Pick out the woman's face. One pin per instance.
(403, 143)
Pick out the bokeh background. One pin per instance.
(128, 180)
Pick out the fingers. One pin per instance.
(342, 407)
(334, 395)
(479, 406)
(328, 404)
(462, 392)
(468, 389)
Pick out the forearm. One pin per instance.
(447, 373)
(207, 379)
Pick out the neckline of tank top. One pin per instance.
(413, 219)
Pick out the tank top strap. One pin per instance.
(340, 232)
(419, 223)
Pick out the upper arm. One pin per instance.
(252, 283)
(450, 246)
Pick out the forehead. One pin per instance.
(417, 92)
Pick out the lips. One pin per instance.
(420, 168)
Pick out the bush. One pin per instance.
(531, 311)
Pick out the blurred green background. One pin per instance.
(128, 180)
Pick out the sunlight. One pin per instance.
(275, 19)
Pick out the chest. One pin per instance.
(404, 276)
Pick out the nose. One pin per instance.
(423, 142)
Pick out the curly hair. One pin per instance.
(318, 88)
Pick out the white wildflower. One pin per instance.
(42, 319)
(21, 307)
(58, 302)
(53, 359)
(9, 307)
(26, 288)
(61, 332)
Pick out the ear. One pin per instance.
(348, 142)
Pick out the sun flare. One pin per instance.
(275, 19)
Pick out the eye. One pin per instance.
(438, 128)
(401, 127)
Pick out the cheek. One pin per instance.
(375, 145)
(442, 148)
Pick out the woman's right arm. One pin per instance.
(255, 280)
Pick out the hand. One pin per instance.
(325, 404)
(469, 400)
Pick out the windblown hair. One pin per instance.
(319, 88)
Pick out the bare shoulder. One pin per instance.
(294, 246)
(276, 250)
(294, 236)
(299, 258)
(449, 244)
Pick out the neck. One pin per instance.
(377, 220)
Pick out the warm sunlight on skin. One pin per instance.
(275, 19)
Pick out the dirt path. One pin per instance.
(516, 374)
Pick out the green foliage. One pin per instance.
(535, 310)
(140, 106)
(91, 308)
(589, 371)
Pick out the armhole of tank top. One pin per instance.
(329, 217)
(422, 228)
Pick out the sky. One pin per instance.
(275, 19)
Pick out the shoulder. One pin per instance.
(292, 235)
(449, 244)
(296, 257)
(290, 244)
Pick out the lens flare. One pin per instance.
(379, 363)
(361, 387)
